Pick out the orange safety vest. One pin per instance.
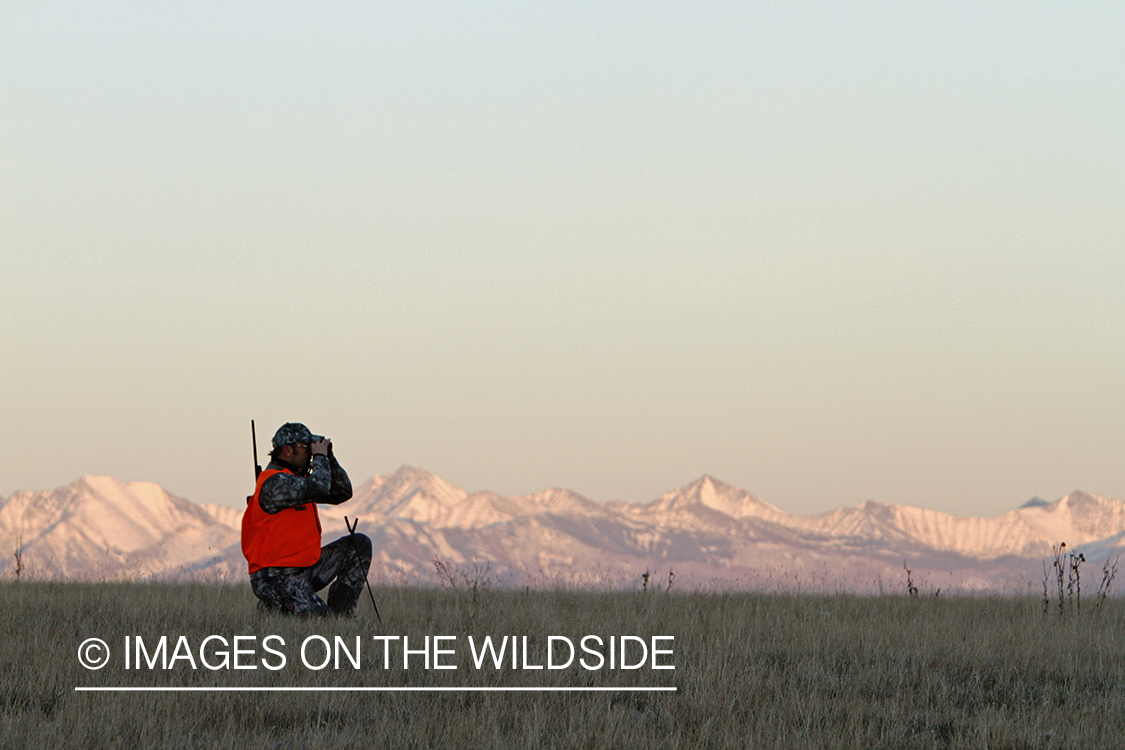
(289, 538)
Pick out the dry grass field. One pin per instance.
(752, 670)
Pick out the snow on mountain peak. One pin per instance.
(410, 493)
(410, 480)
(555, 500)
(101, 523)
(131, 512)
(1077, 518)
(728, 499)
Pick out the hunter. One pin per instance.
(281, 530)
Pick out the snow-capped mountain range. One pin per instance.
(708, 533)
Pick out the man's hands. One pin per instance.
(321, 447)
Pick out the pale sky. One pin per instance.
(826, 252)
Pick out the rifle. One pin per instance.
(257, 466)
(254, 437)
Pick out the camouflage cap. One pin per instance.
(293, 432)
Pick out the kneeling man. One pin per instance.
(281, 530)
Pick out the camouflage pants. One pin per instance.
(293, 590)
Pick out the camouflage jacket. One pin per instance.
(326, 482)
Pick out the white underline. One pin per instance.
(372, 689)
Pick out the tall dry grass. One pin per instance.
(761, 671)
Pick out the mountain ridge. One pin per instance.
(709, 530)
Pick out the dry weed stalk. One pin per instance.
(1059, 572)
(19, 556)
(1074, 579)
(1066, 574)
(472, 578)
(1109, 572)
(1046, 592)
(911, 589)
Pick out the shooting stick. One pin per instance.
(351, 535)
